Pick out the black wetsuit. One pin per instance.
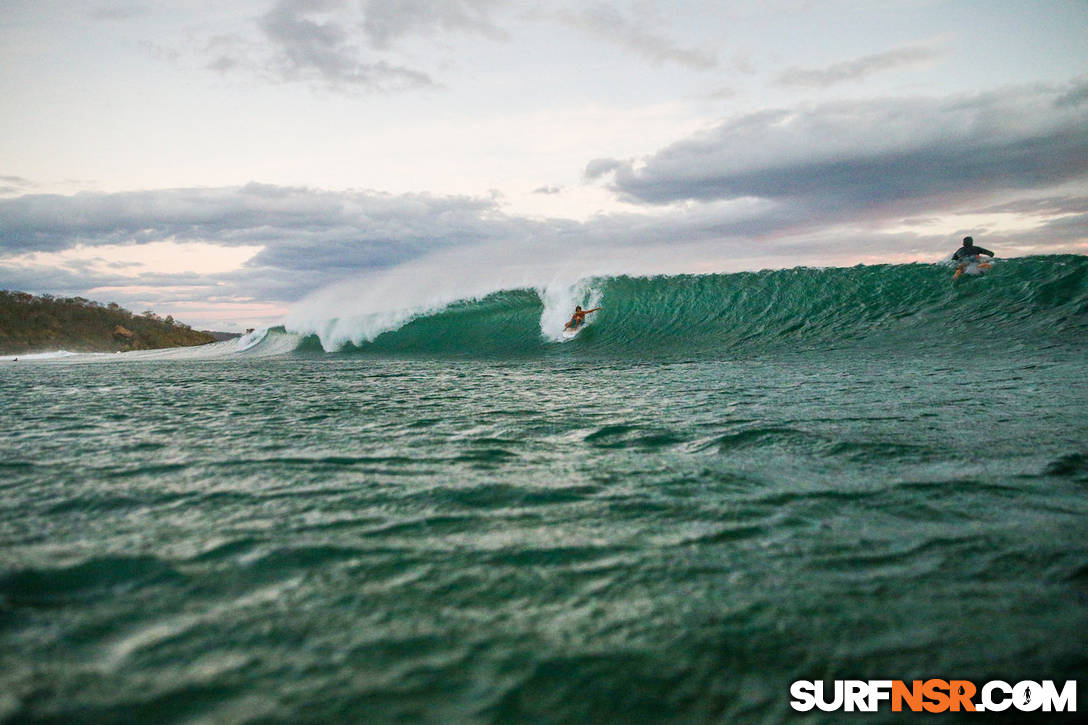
(968, 252)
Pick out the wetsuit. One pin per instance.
(968, 253)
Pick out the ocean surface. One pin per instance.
(723, 484)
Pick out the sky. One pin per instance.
(228, 162)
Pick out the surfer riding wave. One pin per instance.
(578, 318)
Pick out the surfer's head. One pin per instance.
(968, 242)
(577, 308)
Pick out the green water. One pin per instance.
(598, 531)
(1027, 303)
(315, 540)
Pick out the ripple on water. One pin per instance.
(630, 436)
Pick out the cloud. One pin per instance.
(385, 22)
(117, 10)
(341, 46)
(634, 35)
(1046, 206)
(362, 46)
(721, 94)
(842, 158)
(312, 48)
(857, 69)
(10, 185)
(223, 63)
(597, 168)
(161, 53)
(308, 236)
(82, 273)
(1075, 96)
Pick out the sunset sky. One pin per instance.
(223, 161)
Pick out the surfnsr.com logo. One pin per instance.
(933, 696)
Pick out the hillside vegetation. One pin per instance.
(29, 323)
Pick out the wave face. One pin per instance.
(1028, 301)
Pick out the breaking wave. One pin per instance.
(1032, 300)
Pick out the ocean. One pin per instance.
(722, 485)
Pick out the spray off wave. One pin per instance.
(1030, 301)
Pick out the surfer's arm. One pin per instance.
(593, 310)
(980, 250)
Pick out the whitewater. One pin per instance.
(417, 501)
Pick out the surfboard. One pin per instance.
(975, 269)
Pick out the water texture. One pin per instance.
(633, 526)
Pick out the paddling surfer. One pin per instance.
(968, 253)
(579, 317)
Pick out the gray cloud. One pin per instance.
(10, 185)
(16, 182)
(322, 50)
(842, 158)
(310, 238)
(117, 10)
(352, 47)
(345, 47)
(322, 228)
(160, 52)
(223, 64)
(597, 168)
(858, 68)
(721, 94)
(385, 22)
(1076, 95)
(632, 34)
(1046, 206)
